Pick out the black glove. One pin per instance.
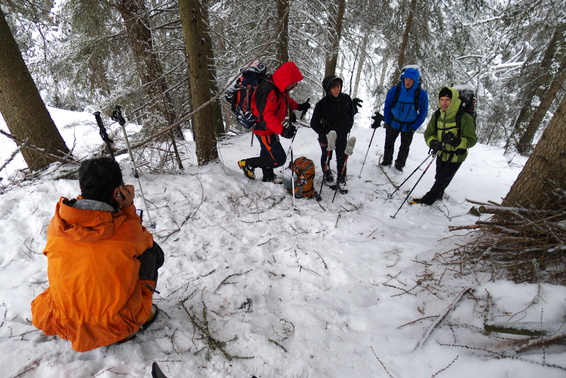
(289, 132)
(451, 139)
(357, 102)
(292, 117)
(435, 146)
(377, 119)
(304, 106)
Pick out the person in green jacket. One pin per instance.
(449, 134)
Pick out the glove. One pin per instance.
(451, 139)
(357, 102)
(377, 120)
(435, 146)
(304, 106)
(289, 132)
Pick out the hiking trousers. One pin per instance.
(271, 155)
(391, 135)
(445, 172)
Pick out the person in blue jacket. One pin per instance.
(406, 107)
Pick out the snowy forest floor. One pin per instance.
(256, 284)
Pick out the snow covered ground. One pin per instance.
(293, 288)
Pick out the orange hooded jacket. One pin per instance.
(95, 297)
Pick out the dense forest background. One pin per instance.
(91, 55)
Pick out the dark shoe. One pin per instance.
(385, 163)
(328, 176)
(399, 168)
(151, 318)
(270, 178)
(416, 201)
(248, 171)
(342, 186)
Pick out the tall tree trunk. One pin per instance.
(524, 145)
(363, 55)
(539, 75)
(283, 8)
(22, 107)
(544, 171)
(148, 66)
(207, 125)
(336, 32)
(404, 42)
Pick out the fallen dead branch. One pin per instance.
(441, 317)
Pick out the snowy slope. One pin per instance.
(293, 288)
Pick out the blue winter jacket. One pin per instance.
(403, 116)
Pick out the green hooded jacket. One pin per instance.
(446, 123)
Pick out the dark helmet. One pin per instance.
(328, 81)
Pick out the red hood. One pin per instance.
(287, 74)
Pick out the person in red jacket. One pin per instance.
(101, 264)
(271, 103)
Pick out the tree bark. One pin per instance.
(524, 146)
(336, 32)
(22, 107)
(544, 171)
(538, 74)
(200, 61)
(283, 38)
(404, 42)
(148, 66)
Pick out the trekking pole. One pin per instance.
(117, 116)
(331, 146)
(377, 121)
(426, 169)
(349, 150)
(390, 195)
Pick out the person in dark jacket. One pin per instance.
(335, 111)
(406, 107)
(273, 106)
(449, 134)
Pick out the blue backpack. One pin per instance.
(241, 93)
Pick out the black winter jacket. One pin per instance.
(334, 113)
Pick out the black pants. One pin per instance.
(271, 155)
(340, 154)
(391, 135)
(151, 260)
(445, 172)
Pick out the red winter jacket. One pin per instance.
(275, 109)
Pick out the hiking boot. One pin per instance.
(273, 178)
(328, 177)
(416, 201)
(342, 186)
(398, 169)
(150, 319)
(385, 163)
(248, 171)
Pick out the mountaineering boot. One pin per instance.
(328, 177)
(342, 186)
(248, 171)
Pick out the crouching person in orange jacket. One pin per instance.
(101, 263)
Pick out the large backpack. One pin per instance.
(240, 94)
(468, 98)
(302, 170)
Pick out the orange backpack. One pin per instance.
(303, 172)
